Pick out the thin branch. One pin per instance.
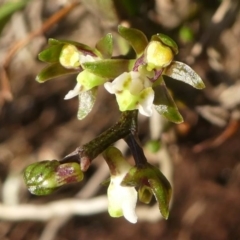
(53, 209)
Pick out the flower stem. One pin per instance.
(136, 150)
(85, 154)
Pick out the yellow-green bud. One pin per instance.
(69, 56)
(158, 55)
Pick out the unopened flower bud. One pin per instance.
(43, 178)
(158, 55)
(69, 56)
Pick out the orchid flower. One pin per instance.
(121, 200)
(71, 57)
(133, 89)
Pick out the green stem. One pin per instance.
(137, 151)
(92, 149)
(120, 130)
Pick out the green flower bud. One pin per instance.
(43, 178)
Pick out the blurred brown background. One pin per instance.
(200, 157)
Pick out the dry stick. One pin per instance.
(6, 92)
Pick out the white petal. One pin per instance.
(129, 204)
(117, 85)
(87, 58)
(109, 87)
(122, 201)
(145, 106)
(73, 93)
(136, 85)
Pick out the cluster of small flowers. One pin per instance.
(133, 89)
(138, 85)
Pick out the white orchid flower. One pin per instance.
(71, 57)
(133, 90)
(121, 200)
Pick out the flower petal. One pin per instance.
(122, 201)
(73, 93)
(145, 105)
(87, 58)
(137, 83)
(118, 84)
(129, 204)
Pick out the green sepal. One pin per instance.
(80, 46)
(165, 105)
(109, 68)
(182, 72)
(137, 39)
(155, 181)
(51, 54)
(86, 102)
(105, 46)
(43, 178)
(54, 70)
(166, 40)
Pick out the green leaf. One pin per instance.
(182, 72)
(109, 68)
(51, 54)
(8, 9)
(52, 71)
(105, 46)
(165, 105)
(136, 38)
(86, 102)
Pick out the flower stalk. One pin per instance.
(85, 154)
